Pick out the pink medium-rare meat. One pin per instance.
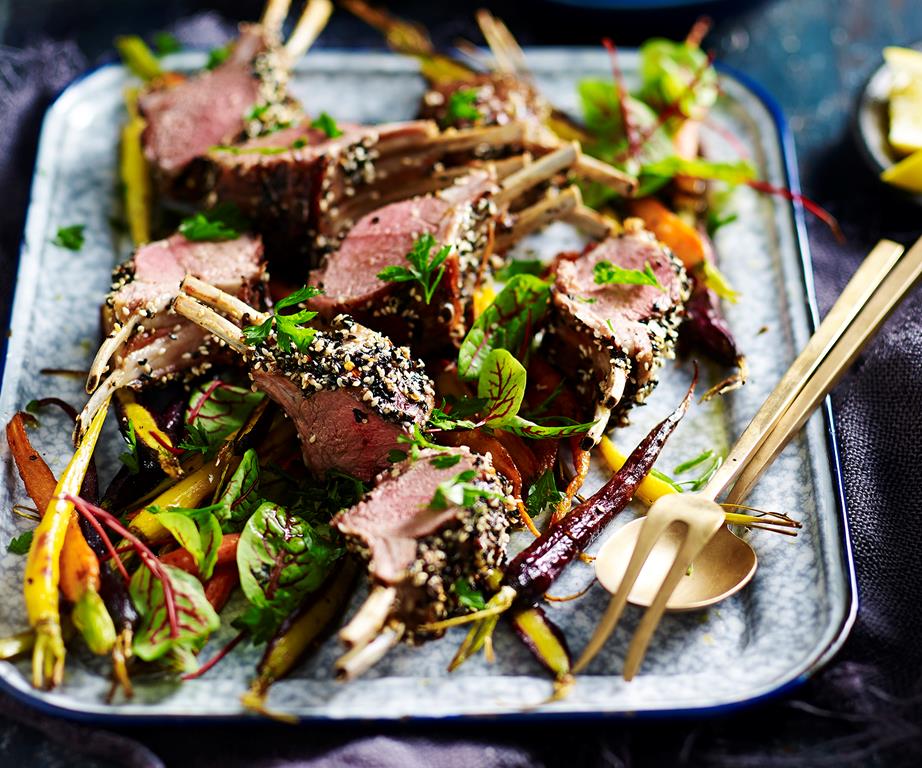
(304, 189)
(350, 396)
(457, 217)
(616, 333)
(422, 547)
(183, 121)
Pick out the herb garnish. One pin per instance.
(462, 106)
(606, 273)
(217, 56)
(130, 458)
(425, 268)
(223, 222)
(326, 124)
(288, 328)
(165, 43)
(20, 545)
(70, 237)
(542, 494)
(460, 491)
(469, 597)
(515, 267)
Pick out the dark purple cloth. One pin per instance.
(863, 709)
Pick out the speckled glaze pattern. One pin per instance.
(765, 638)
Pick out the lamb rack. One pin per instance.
(613, 337)
(145, 341)
(302, 186)
(462, 97)
(245, 95)
(350, 393)
(471, 217)
(421, 540)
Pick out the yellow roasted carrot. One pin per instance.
(650, 489)
(134, 172)
(191, 491)
(43, 569)
(79, 579)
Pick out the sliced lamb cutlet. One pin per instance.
(351, 394)
(246, 94)
(466, 217)
(146, 341)
(419, 545)
(304, 189)
(615, 337)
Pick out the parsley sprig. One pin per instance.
(462, 105)
(460, 491)
(606, 273)
(70, 237)
(327, 124)
(425, 268)
(20, 545)
(223, 222)
(289, 329)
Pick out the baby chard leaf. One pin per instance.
(508, 323)
(281, 558)
(502, 384)
(215, 411)
(606, 273)
(198, 531)
(197, 619)
(240, 497)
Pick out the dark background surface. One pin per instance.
(813, 56)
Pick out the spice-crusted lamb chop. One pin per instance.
(245, 95)
(468, 218)
(145, 340)
(430, 522)
(614, 337)
(350, 392)
(303, 189)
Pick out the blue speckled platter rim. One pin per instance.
(822, 653)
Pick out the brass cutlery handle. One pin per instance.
(892, 291)
(860, 289)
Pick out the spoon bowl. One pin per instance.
(724, 566)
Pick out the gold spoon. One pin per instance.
(727, 563)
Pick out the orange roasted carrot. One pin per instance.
(79, 564)
(36, 476)
(222, 582)
(681, 238)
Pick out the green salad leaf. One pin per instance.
(506, 324)
(152, 639)
(677, 73)
(217, 409)
(281, 558)
(606, 273)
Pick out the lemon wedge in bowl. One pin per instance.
(905, 133)
(906, 174)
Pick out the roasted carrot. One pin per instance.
(43, 570)
(222, 582)
(681, 238)
(79, 565)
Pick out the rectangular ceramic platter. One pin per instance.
(749, 646)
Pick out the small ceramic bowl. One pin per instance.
(871, 123)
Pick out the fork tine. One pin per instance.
(698, 533)
(652, 528)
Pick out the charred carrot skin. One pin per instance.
(43, 571)
(534, 569)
